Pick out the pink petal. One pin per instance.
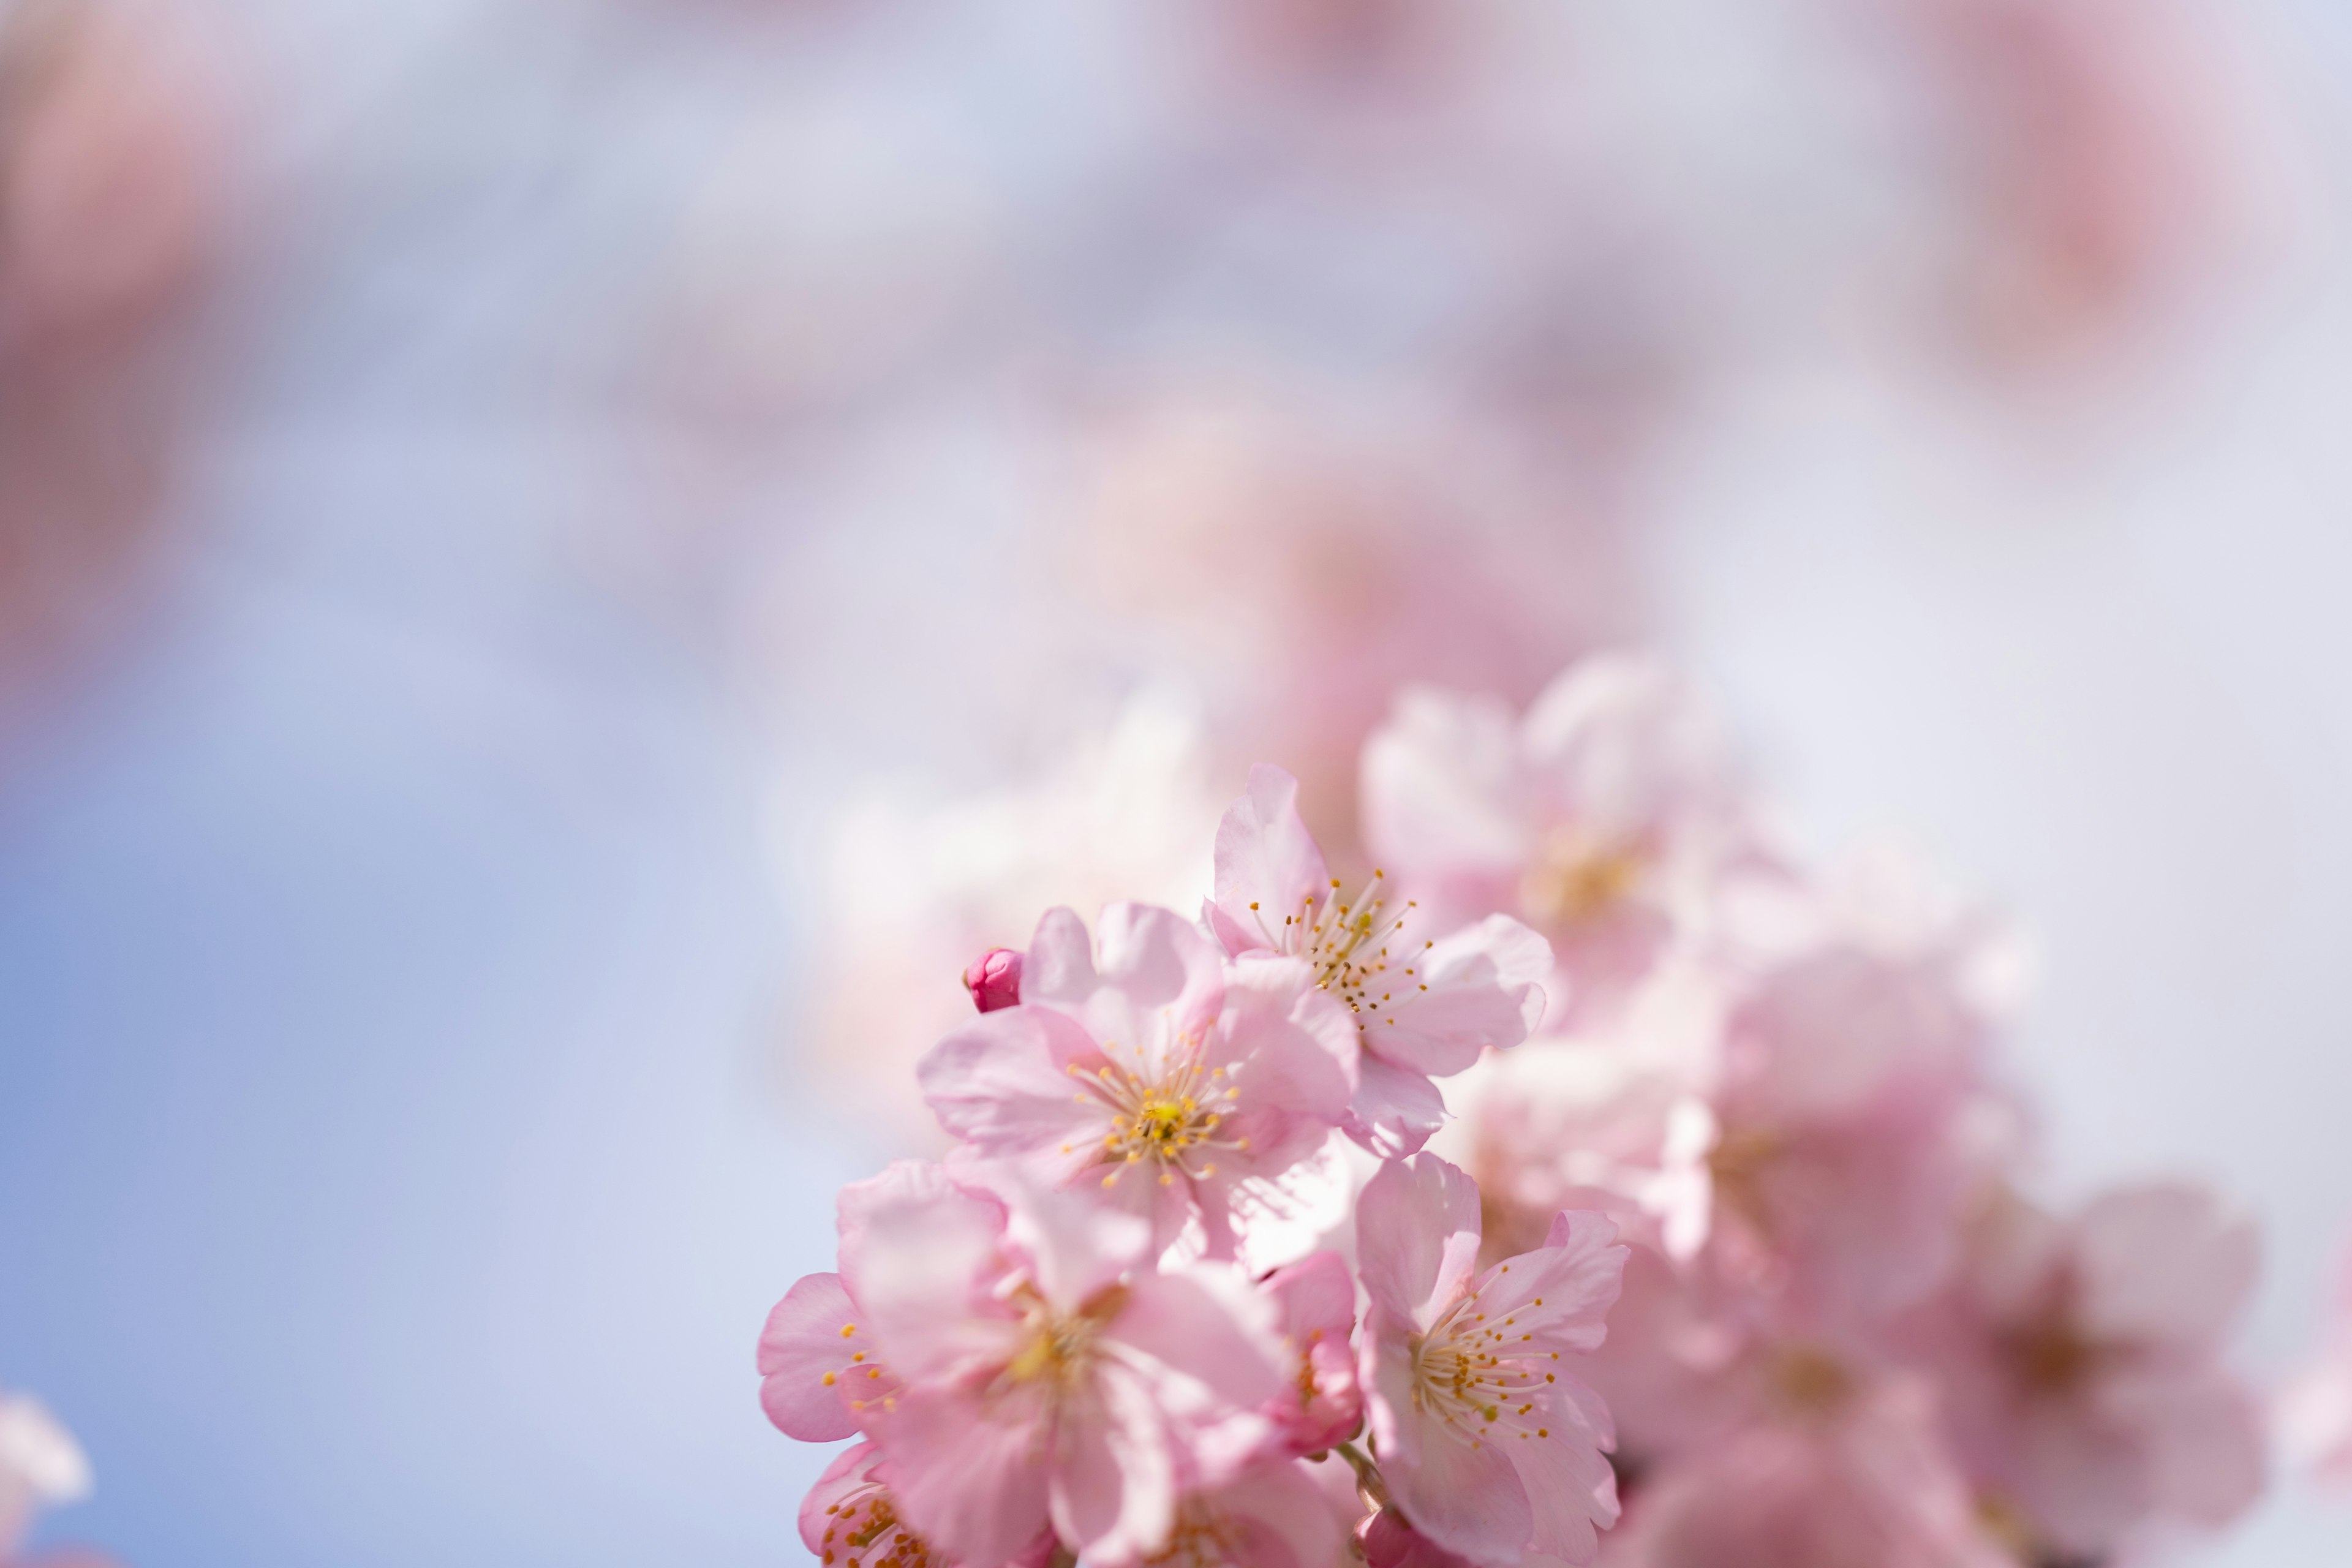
(1461, 1493)
(1476, 989)
(1293, 1043)
(1576, 1275)
(1113, 1489)
(1395, 1108)
(806, 1365)
(916, 1248)
(1417, 1228)
(1003, 1082)
(2163, 1264)
(970, 1477)
(1267, 864)
(1208, 1340)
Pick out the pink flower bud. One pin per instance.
(993, 979)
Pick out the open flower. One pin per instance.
(1489, 1445)
(2081, 1362)
(1426, 1005)
(1144, 1066)
(1034, 1368)
(1600, 817)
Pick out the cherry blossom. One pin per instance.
(1139, 1063)
(1426, 1005)
(1488, 1442)
(41, 1466)
(2081, 1365)
(1028, 1366)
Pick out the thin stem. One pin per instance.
(1373, 1490)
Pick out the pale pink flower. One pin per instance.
(1033, 1366)
(1852, 1130)
(1859, 1481)
(1426, 1005)
(1488, 1443)
(41, 1466)
(1599, 818)
(850, 1520)
(993, 979)
(1143, 1065)
(2081, 1363)
(1324, 1404)
(2314, 1411)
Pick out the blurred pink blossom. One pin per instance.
(2081, 1365)
(1848, 1476)
(1603, 816)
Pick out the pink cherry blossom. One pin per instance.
(1849, 1102)
(1142, 1065)
(1425, 1005)
(41, 1466)
(1858, 1481)
(1027, 1365)
(2314, 1411)
(993, 979)
(1324, 1404)
(1488, 1442)
(1600, 817)
(849, 1517)
(2081, 1365)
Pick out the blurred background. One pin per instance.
(565, 563)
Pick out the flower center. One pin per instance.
(1170, 1119)
(1347, 943)
(1059, 1348)
(1738, 1164)
(865, 1529)
(1480, 1379)
(2050, 1356)
(1578, 879)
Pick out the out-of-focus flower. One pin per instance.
(1042, 1371)
(1386, 541)
(1426, 1007)
(1601, 817)
(2314, 1411)
(1846, 1474)
(1142, 1065)
(41, 1466)
(1324, 1404)
(1274, 1515)
(913, 895)
(1489, 1445)
(995, 979)
(2079, 1362)
(1848, 1141)
(107, 208)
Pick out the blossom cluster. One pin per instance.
(1595, 1183)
